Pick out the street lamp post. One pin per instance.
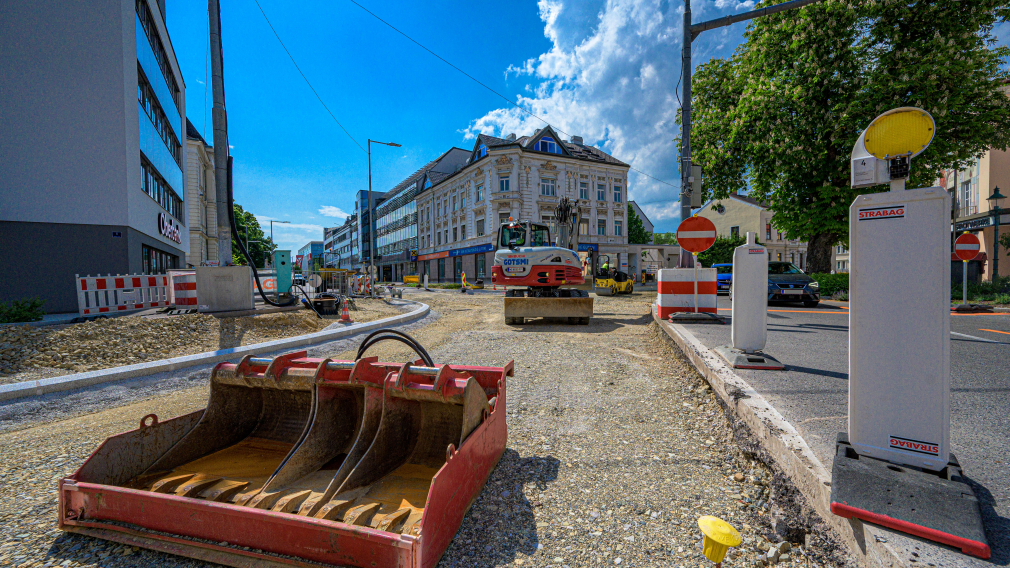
(371, 216)
(272, 233)
(995, 200)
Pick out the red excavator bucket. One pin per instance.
(301, 461)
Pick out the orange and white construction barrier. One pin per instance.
(184, 289)
(676, 291)
(105, 294)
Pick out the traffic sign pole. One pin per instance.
(695, 282)
(966, 247)
(964, 282)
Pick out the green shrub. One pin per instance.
(22, 311)
(831, 283)
(985, 291)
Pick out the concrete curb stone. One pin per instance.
(867, 543)
(89, 378)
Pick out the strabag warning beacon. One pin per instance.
(894, 467)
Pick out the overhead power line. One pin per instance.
(474, 79)
(307, 82)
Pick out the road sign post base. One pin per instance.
(695, 317)
(938, 506)
(739, 359)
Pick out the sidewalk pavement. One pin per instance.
(811, 396)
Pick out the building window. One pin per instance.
(547, 186)
(462, 232)
(601, 228)
(438, 238)
(503, 218)
(147, 100)
(462, 200)
(154, 185)
(480, 227)
(617, 194)
(482, 151)
(601, 192)
(618, 227)
(480, 265)
(438, 209)
(480, 194)
(503, 184)
(446, 239)
(454, 235)
(768, 233)
(583, 190)
(441, 269)
(584, 227)
(147, 22)
(158, 261)
(547, 144)
(734, 232)
(428, 211)
(454, 203)
(780, 257)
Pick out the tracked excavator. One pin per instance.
(540, 272)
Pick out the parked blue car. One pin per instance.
(723, 277)
(788, 283)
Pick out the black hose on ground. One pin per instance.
(376, 337)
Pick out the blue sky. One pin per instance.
(605, 70)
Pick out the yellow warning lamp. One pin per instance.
(905, 131)
(719, 536)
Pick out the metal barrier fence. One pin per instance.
(104, 294)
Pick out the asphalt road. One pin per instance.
(812, 394)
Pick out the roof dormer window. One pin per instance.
(547, 144)
(482, 151)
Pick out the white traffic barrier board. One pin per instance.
(967, 246)
(750, 296)
(899, 335)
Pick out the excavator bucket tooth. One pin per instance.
(298, 460)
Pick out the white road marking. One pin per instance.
(966, 336)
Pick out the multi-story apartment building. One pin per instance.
(396, 216)
(737, 215)
(971, 189)
(201, 204)
(340, 245)
(362, 212)
(523, 178)
(93, 104)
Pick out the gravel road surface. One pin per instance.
(615, 448)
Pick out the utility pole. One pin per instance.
(220, 118)
(691, 31)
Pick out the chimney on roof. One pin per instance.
(511, 137)
(577, 140)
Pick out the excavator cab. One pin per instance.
(608, 280)
(513, 235)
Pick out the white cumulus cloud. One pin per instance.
(331, 211)
(611, 76)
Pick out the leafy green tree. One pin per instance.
(721, 252)
(1004, 241)
(664, 238)
(781, 115)
(246, 224)
(637, 235)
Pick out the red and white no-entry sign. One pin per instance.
(966, 246)
(696, 234)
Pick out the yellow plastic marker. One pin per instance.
(719, 536)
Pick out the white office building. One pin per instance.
(523, 178)
(93, 130)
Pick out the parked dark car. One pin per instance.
(788, 283)
(723, 277)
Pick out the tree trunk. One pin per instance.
(819, 252)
